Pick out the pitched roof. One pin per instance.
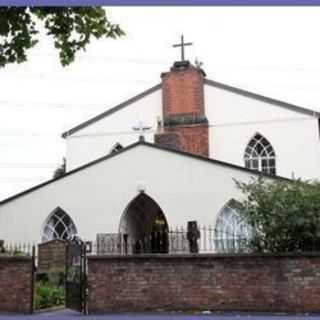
(112, 110)
(260, 97)
(151, 145)
(209, 82)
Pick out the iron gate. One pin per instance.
(75, 283)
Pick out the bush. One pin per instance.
(284, 215)
(13, 253)
(48, 295)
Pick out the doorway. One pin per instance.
(144, 227)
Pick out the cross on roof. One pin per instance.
(141, 128)
(182, 44)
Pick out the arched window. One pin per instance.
(232, 231)
(117, 147)
(58, 225)
(259, 155)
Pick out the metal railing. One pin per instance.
(174, 241)
(17, 248)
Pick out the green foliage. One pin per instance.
(71, 28)
(48, 295)
(54, 277)
(13, 253)
(49, 289)
(285, 215)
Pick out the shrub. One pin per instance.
(48, 295)
(284, 215)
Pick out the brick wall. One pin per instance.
(52, 256)
(204, 282)
(16, 284)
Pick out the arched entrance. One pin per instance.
(143, 227)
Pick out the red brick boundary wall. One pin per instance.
(288, 283)
(16, 286)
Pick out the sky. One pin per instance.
(273, 51)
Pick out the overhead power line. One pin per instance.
(28, 134)
(231, 124)
(110, 59)
(244, 123)
(10, 165)
(86, 79)
(131, 132)
(22, 179)
(50, 104)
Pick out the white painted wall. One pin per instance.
(185, 188)
(97, 140)
(234, 119)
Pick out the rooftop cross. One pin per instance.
(141, 129)
(182, 44)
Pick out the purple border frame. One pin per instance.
(160, 2)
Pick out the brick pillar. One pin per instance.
(185, 126)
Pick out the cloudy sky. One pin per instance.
(272, 51)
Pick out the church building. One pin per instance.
(194, 137)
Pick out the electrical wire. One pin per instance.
(114, 133)
(26, 165)
(53, 165)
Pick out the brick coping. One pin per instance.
(14, 258)
(205, 256)
(52, 241)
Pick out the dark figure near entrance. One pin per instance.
(193, 235)
(159, 241)
(159, 235)
(138, 247)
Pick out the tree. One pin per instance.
(61, 170)
(71, 28)
(284, 215)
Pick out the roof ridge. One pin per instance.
(112, 110)
(213, 83)
(215, 161)
(131, 146)
(250, 94)
(89, 164)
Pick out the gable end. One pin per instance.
(111, 111)
(262, 98)
(151, 145)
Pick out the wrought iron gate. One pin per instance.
(75, 283)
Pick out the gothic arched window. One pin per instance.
(232, 231)
(259, 155)
(58, 225)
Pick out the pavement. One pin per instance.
(72, 315)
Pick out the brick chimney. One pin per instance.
(185, 126)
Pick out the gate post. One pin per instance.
(84, 279)
(33, 271)
(75, 283)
